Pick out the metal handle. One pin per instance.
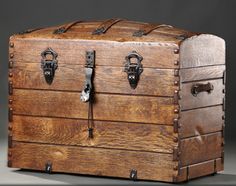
(199, 87)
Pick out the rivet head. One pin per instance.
(176, 111)
(9, 153)
(176, 168)
(10, 74)
(11, 55)
(175, 139)
(223, 90)
(11, 44)
(10, 101)
(176, 51)
(176, 82)
(10, 127)
(176, 62)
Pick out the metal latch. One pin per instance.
(199, 87)
(49, 64)
(133, 70)
(89, 66)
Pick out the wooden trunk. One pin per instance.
(169, 126)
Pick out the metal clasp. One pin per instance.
(49, 64)
(133, 70)
(89, 66)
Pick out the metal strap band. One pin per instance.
(105, 26)
(149, 28)
(65, 28)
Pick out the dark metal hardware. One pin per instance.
(90, 131)
(89, 66)
(49, 64)
(133, 174)
(65, 28)
(133, 70)
(10, 141)
(10, 88)
(223, 106)
(176, 97)
(197, 88)
(10, 64)
(48, 167)
(60, 30)
(224, 77)
(10, 114)
(176, 125)
(99, 31)
(28, 31)
(176, 154)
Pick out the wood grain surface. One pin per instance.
(143, 137)
(158, 82)
(200, 148)
(93, 161)
(157, 110)
(201, 121)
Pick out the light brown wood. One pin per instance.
(202, 50)
(93, 161)
(130, 136)
(203, 99)
(201, 169)
(107, 53)
(201, 73)
(201, 121)
(158, 82)
(200, 148)
(157, 110)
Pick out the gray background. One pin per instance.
(210, 16)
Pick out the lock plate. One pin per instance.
(133, 70)
(49, 64)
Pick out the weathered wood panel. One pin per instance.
(201, 121)
(107, 53)
(219, 164)
(201, 73)
(143, 137)
(94, 161)
(201, 169)
(200, 148)
(202, 99)
(158, 82)
(142, 109)
(202, 50)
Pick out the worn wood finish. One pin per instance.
(142, 109)
(107, 79)
(201, 73)
(143, 137)
(201, 121)
(95, 161)
(203, 99)
(202, 50)
(200, 148)
(201, 169)
(219, 164)
(107, 53)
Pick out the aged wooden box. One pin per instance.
(117, 98)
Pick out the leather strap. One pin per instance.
(149, 28)
(102, 28)
(65, 28)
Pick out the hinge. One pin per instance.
(48, 167)
(10, 114)
(224, 77)
(10, 65)
(10, 88)
(10, 141)
(176, 154)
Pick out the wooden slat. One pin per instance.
(200, 148)
(203, 99)
(158, 82)
(143, 137)
(201, 73)
(202, 50)
(157, 110)
(94, 161)
(107, 53)
(201, 169)
(219, 164)
(201, 121)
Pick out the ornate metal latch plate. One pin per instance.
(49, 64)
(133, 70)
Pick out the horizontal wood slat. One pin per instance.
(143, 137)
(200, 148)
(201, 121)
(107, 53)
(201, 73)
(158, 82)
(202, 99)
(157, 110)
(94, 161)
